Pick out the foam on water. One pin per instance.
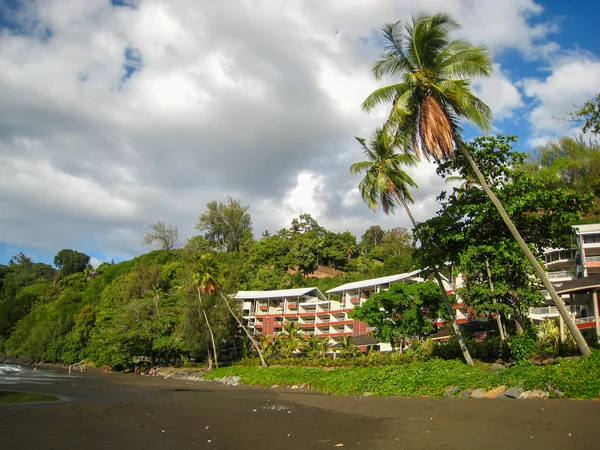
(9, 369)
(10, 374)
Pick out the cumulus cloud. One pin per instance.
(570, 81)
(114, 117)
(499, 93)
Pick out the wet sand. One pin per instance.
(103, 411)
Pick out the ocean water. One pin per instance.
(10, 374)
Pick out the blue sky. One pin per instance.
(114, 117)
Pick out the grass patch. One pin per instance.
(13, 397)
(575, 378)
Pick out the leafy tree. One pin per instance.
(371, 238)
(101, 268)
(570, 163)
(589, 114)
(403, 311)
(434, 93)
(467, 231)
(499, 280)
(306, 223)
(162, 236)
(271, 251)
(226, 227)
(71, 261)
(386, 183)
(304, 253)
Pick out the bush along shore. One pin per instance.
(577, 378)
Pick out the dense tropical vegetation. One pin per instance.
(172, 305)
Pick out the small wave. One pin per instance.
(5, 369)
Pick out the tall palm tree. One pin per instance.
(433, 94)
(386, 183)
(208, 277)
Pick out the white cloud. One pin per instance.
(499, 93)
(260, 102)
(571, 81)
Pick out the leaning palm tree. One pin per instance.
(433, 94)
(208, 277)
(255, 344)
(385, 182)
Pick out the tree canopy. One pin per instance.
(162, 236)
(71, 261)
(228, 227)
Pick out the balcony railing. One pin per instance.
(544, 310)
(592, 259)
(585, 319)
(561, 274)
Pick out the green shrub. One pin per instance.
(575, 378)
(523, 346)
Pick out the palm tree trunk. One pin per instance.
(459, 337)
(209, 359)
(541, 273)
(263, 362)
(498, 319)
(212, 336)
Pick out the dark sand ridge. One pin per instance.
(131, 412)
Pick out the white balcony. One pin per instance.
(585, 319)
(561, 275)
(544, 312)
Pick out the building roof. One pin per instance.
(587, 228)
(579, 285)
(373, 282)
(280, 293)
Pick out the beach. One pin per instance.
(123, 411)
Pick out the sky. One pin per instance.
(118, 114)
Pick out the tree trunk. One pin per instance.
(212, 336)
(498, 318)
(541, 273)
(461, 341)
(209, 359)
(263, 362)
(459, 336)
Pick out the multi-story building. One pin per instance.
(588, 248)
(266, 311)
(574, 273)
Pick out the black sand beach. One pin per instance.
(116, 411)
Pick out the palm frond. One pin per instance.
(383, 95)
(435, 91)
(463, 63)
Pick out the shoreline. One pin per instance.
(126, 411)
